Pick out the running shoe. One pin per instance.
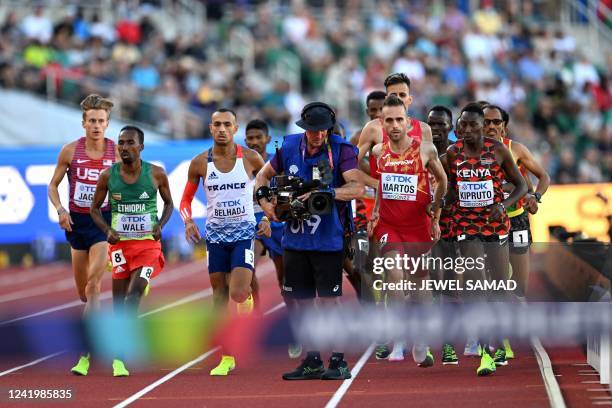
(472, 348)
(448, 355)
(294, 351)
(500, 357)
(382, 351)
(487, 365)
(337, 370)
(429, 359)
(246, 307)
(508, 349)
(309, 369)
(119, 369)
(82, 367)
(146, 291)
(397, 354)
(227, 364)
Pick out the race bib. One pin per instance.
(117, 257)
(146, 272)
(134, 225)
(83, 195)
(399, 186)
(249, 257)
(475, 193)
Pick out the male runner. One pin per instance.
(227, 172)
(496, 127)
(397, 84)
(440, 120)
(477, 167)
(134, 231)
(83, 160)
(404, 208)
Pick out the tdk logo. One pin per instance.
(399, 178)
(134, 218)
(227, 186)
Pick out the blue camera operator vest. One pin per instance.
(320, 232)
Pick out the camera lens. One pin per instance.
(319, 202)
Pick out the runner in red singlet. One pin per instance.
(402, 219)
(83, 160)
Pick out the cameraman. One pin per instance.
(313, 250)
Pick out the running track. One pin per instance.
(49, 290)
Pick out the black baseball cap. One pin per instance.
(319, 116)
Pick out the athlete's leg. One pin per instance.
(240, 284)
(218, 281)
(80, 264)
(98, 260)
(520, 272)
(136, 288)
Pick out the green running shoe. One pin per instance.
(382, 351)
(509, 352)
(119, 369)
(310, 369)
(337, 370)
(429, 360)
(448, 355)
(500, 357)
(82, 367)
(487, 365)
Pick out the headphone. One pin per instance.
(318, 105)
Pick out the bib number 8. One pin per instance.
(146, 273)
(117, 257)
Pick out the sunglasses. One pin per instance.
(496, 122)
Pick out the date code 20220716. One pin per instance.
(16, 394)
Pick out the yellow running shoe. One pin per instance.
(247, 306)
(509, 352)
(227, 364)
(82, 366)
(119, 369)
(146, 290)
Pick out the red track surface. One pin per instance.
(259, 384)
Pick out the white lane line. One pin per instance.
(589, 382)
(552, 386)
(187, 299)
(45, 289)
(179, 370)
(335, 400)
(170, 276)
(31, 363)
(18, 277)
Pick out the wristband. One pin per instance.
(61, 210)
(262, 192)
(264, 218)
(538, 197)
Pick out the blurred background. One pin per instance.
(168, 64)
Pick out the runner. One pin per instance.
(227, 172)
(83, 160)
(134, 232)
(405, 218)
(440, 120)
(477, 167)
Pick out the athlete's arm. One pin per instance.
(263, 180)
(197, 168)
(353, 187)
(435, 167)
(513, 175)
(375, 212)
(98, 201)
(367, 137)
(63, 162)
(254, 160)
(425, 132)
(451, 193)
(164, 191)
(526, 159)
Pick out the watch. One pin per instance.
(538, 197)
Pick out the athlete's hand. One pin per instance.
(111, 236)
(264, 229)
(431, 209)
(530, 203)
(157, 232)
(269, 208)
(435, 230)
(372, 223)
(192, 233)
(65, 221)
(497, 212)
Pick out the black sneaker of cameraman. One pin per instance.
(312, 368)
